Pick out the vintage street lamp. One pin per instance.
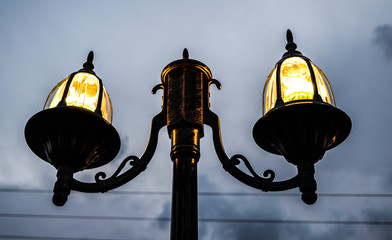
(300, 119)
(300, 122)
(74, 131)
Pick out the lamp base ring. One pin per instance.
(72, 136)
(302, 131)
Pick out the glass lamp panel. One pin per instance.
(83, 91)
(323, 87)
(56, 94)
(295, 79)
(270, 94)
(106, 106)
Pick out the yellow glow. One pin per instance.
(270, 91)
(58, 94)
(296, 82)
(83, 92)
(323, 87)
(106, 106)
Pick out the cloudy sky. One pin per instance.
(41, 42)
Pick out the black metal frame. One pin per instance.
(185, 130)
(103, 184)
(185, 110)
(88, 67)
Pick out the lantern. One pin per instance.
(74, 130)
(300, 118)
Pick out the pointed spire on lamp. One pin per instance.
(290, 46)
(185, 54)
(88, 65)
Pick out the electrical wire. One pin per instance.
(236, 194)
(51, 238)
(208, 220)
(201, 220)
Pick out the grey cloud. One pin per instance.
(166, 212)
(381, 232)
(239, 42)
(383, 39)
(124, 146)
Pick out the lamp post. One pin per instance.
(300, 122)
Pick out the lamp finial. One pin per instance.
(88, 65)
(289, 36)
(185, 54)
(291, 46)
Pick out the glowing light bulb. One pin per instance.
(83, 91)
(296, 82)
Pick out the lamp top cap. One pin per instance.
(88, 65)
(291, 46)
(185, 62)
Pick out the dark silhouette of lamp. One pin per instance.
(300, 119)
(300, 122)
(74, 131)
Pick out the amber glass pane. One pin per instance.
(83, 91)
(56, 94)
(323, 87)
(270, 91)
(295, 79)
(106, 106)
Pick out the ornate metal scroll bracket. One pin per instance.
(103, 184)
(265, 183)
(133, 161)
(157, 87)
(269, 175)
(216, 83)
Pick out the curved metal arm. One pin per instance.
(138, 165)
(230, 164)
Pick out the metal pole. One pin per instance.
(185, 84)
(185, 155)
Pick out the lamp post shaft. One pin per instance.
(185, 84)
(185, 155)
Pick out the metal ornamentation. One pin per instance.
(300, 130)
(103, 184)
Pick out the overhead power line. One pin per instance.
(51, 238)
(210, 220)
(237, 194)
